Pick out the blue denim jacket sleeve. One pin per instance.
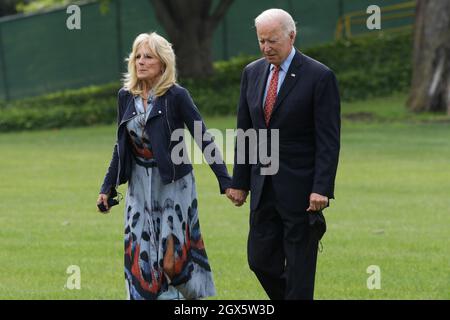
(190, 115)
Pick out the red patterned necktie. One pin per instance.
(271, 95)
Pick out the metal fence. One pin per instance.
(39, 54)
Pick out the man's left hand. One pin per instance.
(317, 202)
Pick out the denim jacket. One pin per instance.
(171, 111)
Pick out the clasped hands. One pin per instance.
(317, 202)
(237, 196)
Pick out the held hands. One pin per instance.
(238, 197)
(317, 202)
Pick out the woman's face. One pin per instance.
(148, 67)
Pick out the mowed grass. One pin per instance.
(392, 210)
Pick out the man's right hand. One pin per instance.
(237, 196)
(103, 198)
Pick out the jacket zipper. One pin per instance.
(170, 141)
(118, 170)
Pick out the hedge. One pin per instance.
(365, 67)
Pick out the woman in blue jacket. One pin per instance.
(165, 256)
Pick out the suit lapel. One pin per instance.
(291, 78)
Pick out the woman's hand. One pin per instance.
(103, 198)
(238, 197)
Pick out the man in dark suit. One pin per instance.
(297, 95)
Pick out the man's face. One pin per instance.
(275, 45)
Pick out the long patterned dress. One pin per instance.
(165, 256)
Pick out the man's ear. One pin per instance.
(292, 36)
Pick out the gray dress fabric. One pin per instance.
(165, 257)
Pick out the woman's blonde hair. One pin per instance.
(161, 49)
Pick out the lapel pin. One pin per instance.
(293, 75)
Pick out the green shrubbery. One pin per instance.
(58, 116)
(370, 66)
(366, 67)
(66, 98)
(69, 108)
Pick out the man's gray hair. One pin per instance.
(279, 15)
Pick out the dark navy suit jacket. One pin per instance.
(307, 114)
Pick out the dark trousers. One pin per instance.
(281, 249)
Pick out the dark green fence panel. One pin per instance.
(3, 83)
(38, 54)
(404, 17)
(316, 22)
(43, 55)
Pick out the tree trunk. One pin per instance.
(194, 52)
(190, 28)
(430, 88)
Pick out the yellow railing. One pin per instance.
(358, 18)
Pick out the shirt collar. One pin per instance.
(137, 97)
(287, 62)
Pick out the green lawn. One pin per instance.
(392, 210)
